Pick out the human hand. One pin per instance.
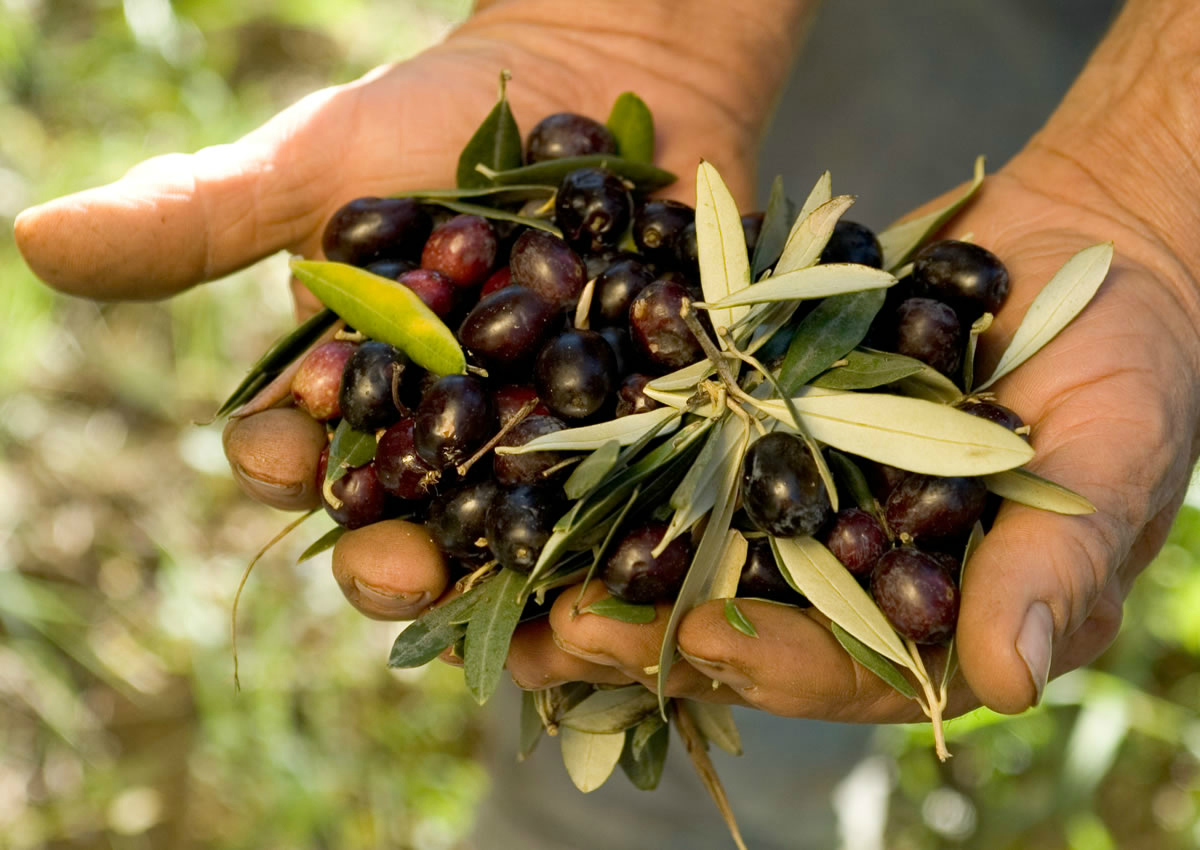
(1114, 405)
(177, 220)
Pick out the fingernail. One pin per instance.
(586, 655)
(390, 606)
(1034, 644)
(724, 673)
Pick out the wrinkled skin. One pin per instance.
(1113, 402)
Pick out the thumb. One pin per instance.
(179, 219)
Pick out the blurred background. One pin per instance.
(122, 538)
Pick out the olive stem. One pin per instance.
(525, 410)
(693, 741)
(719, 360)
(934, 703)
(469, 581)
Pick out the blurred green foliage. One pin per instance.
(122, 536)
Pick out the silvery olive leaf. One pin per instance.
(809, 237)
(720, 243)
(612, 711)
(697, 492)
(1021, 485)
(1060, 301)
(704, 563)
(729, 571)
(592, 470)
(821, 193)
(624, 430)
(715, 723)
(978, 328)
(873, 661)
(913, 434)
(813, 570)
(866, 370)
(590, 758)
(677, 399)
(683, 379)
(777, 222)
(902, 239)
(815, 282)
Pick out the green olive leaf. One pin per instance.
(930, 384)
(1060, 301)
(851, 479)
(715, 722)
(1021, 485)
(322, 544)
(873, 661)
(286, 350)
(777, 223)
(978, 328)
(384, 310)
(494, 214)
(624, 430)
(902, 239)
(592, 470)
(735, 618)
(612, 710)
(494, 195)
(632, 126)
(348, 449)
(866, 370)
(721, 245)
(828, 333)
(697, 492)
(643, 176)
(707, 559)
(625, 612)
(912, 434)
(813, 282)
(496, 144)
(531, 726)
(489, 632)
(590, 758)
(645, 753)
(813, 570)
(809, 237)
(438, 628)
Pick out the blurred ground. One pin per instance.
(122, 537)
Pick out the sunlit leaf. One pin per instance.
(612, 710)
(901, 240)
(866, 370)
(590, 758)
(632, 125)
(1021, 485)
(1060, 301)
(814, 282)
(624, 430)
(721, 244)
(384, 310)
(735, 618)
(810, 236)
(592, 469)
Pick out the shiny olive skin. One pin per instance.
(547, 265)
(857, 539)
(400, 470)
(368, 230)
(633, 574)
(762, 579)
(372, 376)
(656, 225)
(528, 467)
(916, 594)
(520, 521)
(852, 242)
(576, 374)
(930, 507)
(782, 490)
(566, 134)
(457, 519)
(506, 329)
(967, 276)
(455, 417)
(592, 208)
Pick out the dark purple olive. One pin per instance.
(926, 507)
(592, 208)
(457, 520)
(566, 134)
(400, 470)
(370, 386)
(575, 374)
(455, 418)
(367, 230)
(857, 540)
(993, 412)
(930, 331)
(656, 225)
(852, 242)
(916, 594)
(633, 574)
(433, 288)
(659, 333)
(361, 499)
(782, 490)
(632, 398)
(616, 287)
(545, 264)
(967, 276)
(463, 249)
(507, 328)
(530, 467)
(520, 521)
(762, 579)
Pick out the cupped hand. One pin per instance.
(1114, 405)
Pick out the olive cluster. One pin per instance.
(539, 361)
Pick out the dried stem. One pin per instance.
(525, 410)
(237, 597)
(934, 703)
(693, 741)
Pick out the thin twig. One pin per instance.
(525, 410)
